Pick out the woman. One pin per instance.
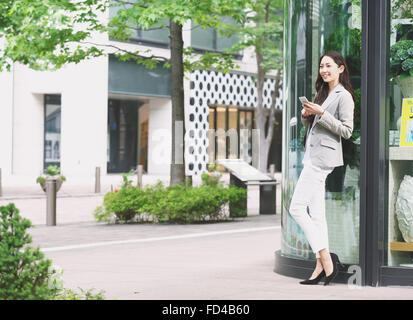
(327, 120)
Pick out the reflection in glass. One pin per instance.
(400, 107)
(312, 28)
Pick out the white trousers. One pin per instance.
(310, 192)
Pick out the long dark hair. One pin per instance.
(322, 87)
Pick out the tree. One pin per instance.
(44, 34)
(263, 31)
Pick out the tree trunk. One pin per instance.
(177, 96)
(260, 117)
(271, 119)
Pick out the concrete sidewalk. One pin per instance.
(231, 260)
(228, 261)
(76, 201)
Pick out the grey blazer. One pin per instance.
(336, 122)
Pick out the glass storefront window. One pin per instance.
(312, 28)
(230, 134)
(52, 130)
(400, 134)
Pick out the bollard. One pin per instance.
(139, 172)
(272, 170)
(1, 189)
(97, 180)
(51, 202)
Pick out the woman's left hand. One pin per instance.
(313, 108)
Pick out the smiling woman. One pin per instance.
(312, 29)
(325, 125)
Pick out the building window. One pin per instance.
(128, 77)
(230, 135)
(52, 129)
(156, 35)
(209, 38)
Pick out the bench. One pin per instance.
(243, 175)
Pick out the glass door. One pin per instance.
(122, 135)
(313, 28)
(400, 137)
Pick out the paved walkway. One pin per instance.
(76, 201)
(231, 260)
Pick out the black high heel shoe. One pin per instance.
(316, 280)
(336, 266)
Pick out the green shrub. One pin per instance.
(126, 182)
(69, 294)
(401, 58)
(181, 204)
(173, 204)
(51, 171)
(25, 274)
(236, 198)
(212, 167)
(212, 180)
(23, 269)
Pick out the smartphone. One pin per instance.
(303, 99)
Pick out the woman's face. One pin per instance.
(329, 70)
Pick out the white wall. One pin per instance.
(84, 119)
(6, 131)
(159, 136)
(28, 126)
(83, 89)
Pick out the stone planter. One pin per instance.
(406, 86)
(58, 185)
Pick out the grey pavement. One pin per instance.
(76, 200)
(229, 260)
(232, 260)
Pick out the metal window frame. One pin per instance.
(373, 152)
